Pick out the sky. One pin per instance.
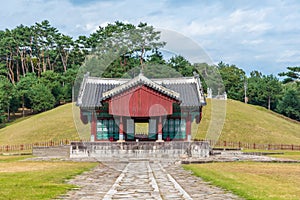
(253, 35)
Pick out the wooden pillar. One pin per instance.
(188, 127)
(121, 130)
(159, 130)
(93, 126)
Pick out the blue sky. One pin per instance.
(254, 35)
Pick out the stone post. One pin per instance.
(188, 127)
(93, 126)
(159, 130)
(121, 131)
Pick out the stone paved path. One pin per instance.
(143, 180)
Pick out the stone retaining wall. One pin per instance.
(139, 150)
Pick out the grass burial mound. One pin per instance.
(54, 124)
(251, 124)
(244, 123)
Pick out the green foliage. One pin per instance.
(156, 58)
(119, 48)
(36, 49)
(263, 90)
(293, 74)
(5, 88)
(103, 33)
(181, 65)
(144, 38)
(272, 87)
(14, 103)
(39, 54)
(289, 103)
(160, 71)
(36, 93)
(53, 81)
(24, 87)
(210, 77)
(233, 79)
(41, 98)
(67, 82)
(254, 88)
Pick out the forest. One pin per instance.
(39, 64)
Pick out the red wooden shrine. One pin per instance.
(141, 108)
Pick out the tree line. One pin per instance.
(38, 66)
(268, 91)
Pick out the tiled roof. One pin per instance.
(140, 80)
(93, 93)
(187, 90)
(188, 93)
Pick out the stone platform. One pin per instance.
(139, 150)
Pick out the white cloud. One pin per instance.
(252, 42)
(289, 56)
(198, 29)
(257, 28)
(88, 27)
(241, 15)
(185, 46)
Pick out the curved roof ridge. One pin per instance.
(182, 80)
(95, 80)
(138, 80)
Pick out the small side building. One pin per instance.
(141, 108)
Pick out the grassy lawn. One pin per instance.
(6, 159)
(252, 180)
(294, 155)
(36, 180)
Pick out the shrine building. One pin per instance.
(141, 108)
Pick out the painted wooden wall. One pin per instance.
(141, 101)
